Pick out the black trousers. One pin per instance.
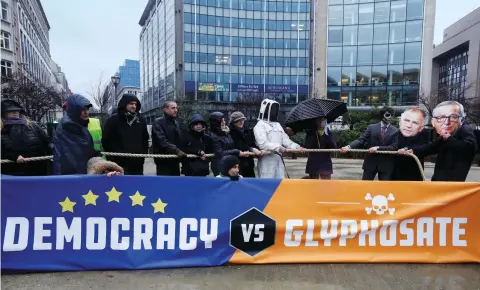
(133, 169)
(369, 174)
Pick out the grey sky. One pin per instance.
(88, 38)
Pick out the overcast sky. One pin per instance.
(92, 38)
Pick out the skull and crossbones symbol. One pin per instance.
(379, 204)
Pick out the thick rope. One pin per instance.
(163, 156)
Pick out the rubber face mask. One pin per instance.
(274, 108)
(387, 117)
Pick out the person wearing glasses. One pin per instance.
(456, 146)
(381, 136)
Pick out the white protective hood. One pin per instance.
(265, 110)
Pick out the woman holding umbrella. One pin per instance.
(319, 164)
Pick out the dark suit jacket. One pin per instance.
(454, 155)
(373, 137)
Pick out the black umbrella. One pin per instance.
(305, 113)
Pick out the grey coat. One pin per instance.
(372, 137)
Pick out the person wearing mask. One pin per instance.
(270, 136)
(319, 164)
(22, 138)
(230, 167)
(126, 132)
(167, 139)
(381, 136)
(244, 141)
(73, 144)
(196, 141)
(412, 134)
(222, 141)
(456, 146)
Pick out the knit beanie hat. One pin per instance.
(236, 116)
(228, 162)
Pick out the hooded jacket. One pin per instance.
(244, 140)
(73, 144)
(23, 138)
(126, 133)
(222, 141)
(193, 143)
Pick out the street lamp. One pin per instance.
(115, 81)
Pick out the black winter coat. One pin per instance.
(28, 141)
(223, 145)
(244, 140)
(454, 155)
(406, 168)
(166, 139)
(119, 136)
(193, 143)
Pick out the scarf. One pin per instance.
(131, 118)
(226, 129)
(14, 121)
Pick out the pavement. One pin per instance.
(271, 277)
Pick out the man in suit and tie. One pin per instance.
(378, 137)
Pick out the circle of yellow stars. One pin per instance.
(113, 196)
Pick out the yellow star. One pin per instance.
(67, 205)
(159, 206)
(113, 195)
(90, 198)
(137, 199)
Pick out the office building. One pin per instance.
(223, 51)
(456, 61)
(8, 52)
(129, 74)
(373, 53)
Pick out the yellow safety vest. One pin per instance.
(96, 131)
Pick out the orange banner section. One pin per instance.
(372, 221)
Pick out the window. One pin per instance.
(6, 68)
(348, 76)
(398, 11)
(335, 36)
(365, 14)
(397, 32)
(382, 12)
(4, 11)
(380, 33)
(334, 76)
(414, 9)
(395, 54)
(5, 40)
(349, 56)
(364, 55)
(395, 74)
(411, 74)
(335, 15)
(365, 34)
(364, 76)
(414, 31)
(349, 35)
(413, 52)
(335, 56)
(380, 54)
(350, 15)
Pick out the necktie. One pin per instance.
(384, 128)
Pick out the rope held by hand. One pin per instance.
(171, 156)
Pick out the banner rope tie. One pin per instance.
(171, 156)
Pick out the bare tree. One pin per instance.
(457, 93)
(36, 97)
(100, 95)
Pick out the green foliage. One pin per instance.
(298, 138)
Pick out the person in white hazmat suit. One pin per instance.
(270, 136)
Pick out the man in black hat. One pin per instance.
(381, 136)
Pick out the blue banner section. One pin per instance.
(64, 223)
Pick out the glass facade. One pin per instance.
(374, 51)
(157, 56)
(453, 74)
(129, 74)
(235, 48)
